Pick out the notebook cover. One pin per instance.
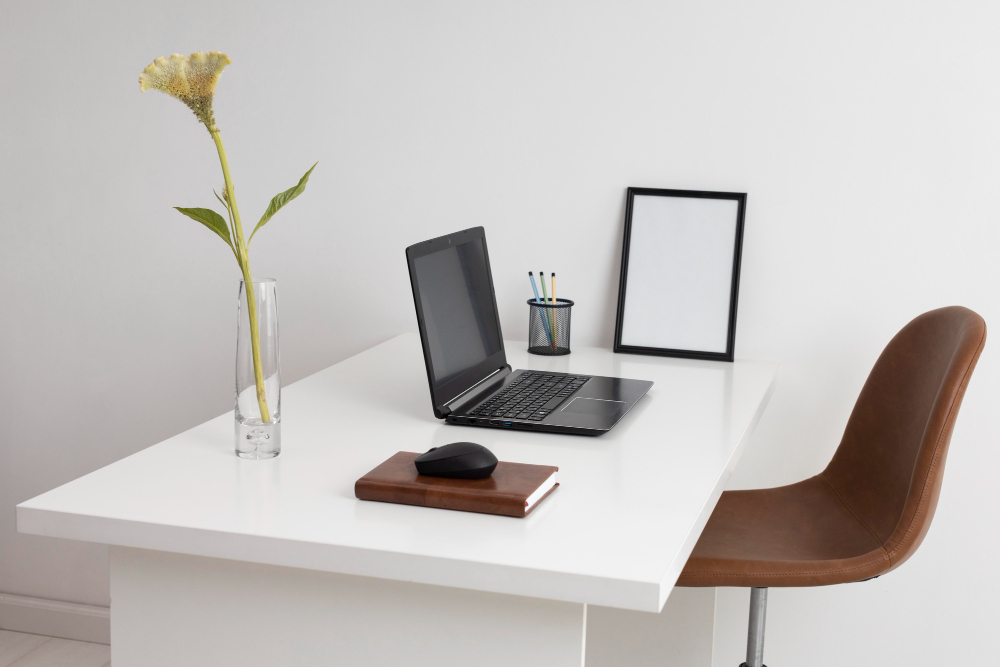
(505, 492)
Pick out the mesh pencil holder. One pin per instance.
(548, 326)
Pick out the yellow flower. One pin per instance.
(191, 80)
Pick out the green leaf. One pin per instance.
(282, 199)
(210, 219)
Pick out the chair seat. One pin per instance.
(797, 535)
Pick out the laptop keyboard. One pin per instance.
(532, 396)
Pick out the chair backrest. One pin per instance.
(890, 463)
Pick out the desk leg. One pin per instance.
(681, 635)
(170, 609)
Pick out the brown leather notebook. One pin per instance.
(514, 489)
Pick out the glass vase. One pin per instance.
(258, 371)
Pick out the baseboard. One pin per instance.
(55, 619)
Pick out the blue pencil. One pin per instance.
(534, 288)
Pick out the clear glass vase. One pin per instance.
(258, 372)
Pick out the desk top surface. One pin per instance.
(617, 532)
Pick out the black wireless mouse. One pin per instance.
(462, 460)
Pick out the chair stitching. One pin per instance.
(922, 503)
(857, 518)
(787, 574)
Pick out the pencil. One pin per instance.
(555, 313)
(545, 293)
(545, 320)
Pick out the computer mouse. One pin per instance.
(462, 460)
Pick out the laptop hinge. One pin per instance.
(498, 374)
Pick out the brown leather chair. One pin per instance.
(869, 510)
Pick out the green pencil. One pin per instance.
(545, 293)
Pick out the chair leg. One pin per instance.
(755, 635)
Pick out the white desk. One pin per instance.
(314, 576)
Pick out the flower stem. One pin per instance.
(243, 259)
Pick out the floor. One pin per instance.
(21, 650)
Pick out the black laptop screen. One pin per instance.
(459, 312)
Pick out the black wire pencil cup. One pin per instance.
(548, 326)
(548, 320)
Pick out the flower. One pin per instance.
(191, 80)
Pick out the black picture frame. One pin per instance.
(728, 354)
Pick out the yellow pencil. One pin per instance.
(555, 311)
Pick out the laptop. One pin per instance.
(470, 381)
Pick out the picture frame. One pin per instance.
(680, 273)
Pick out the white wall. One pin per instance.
(865, 133)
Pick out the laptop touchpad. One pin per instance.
(594, 406)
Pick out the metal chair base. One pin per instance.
(755, 634)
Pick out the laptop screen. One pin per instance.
(455, 295)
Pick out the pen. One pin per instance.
(534, 288)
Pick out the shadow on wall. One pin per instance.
(608, 304)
